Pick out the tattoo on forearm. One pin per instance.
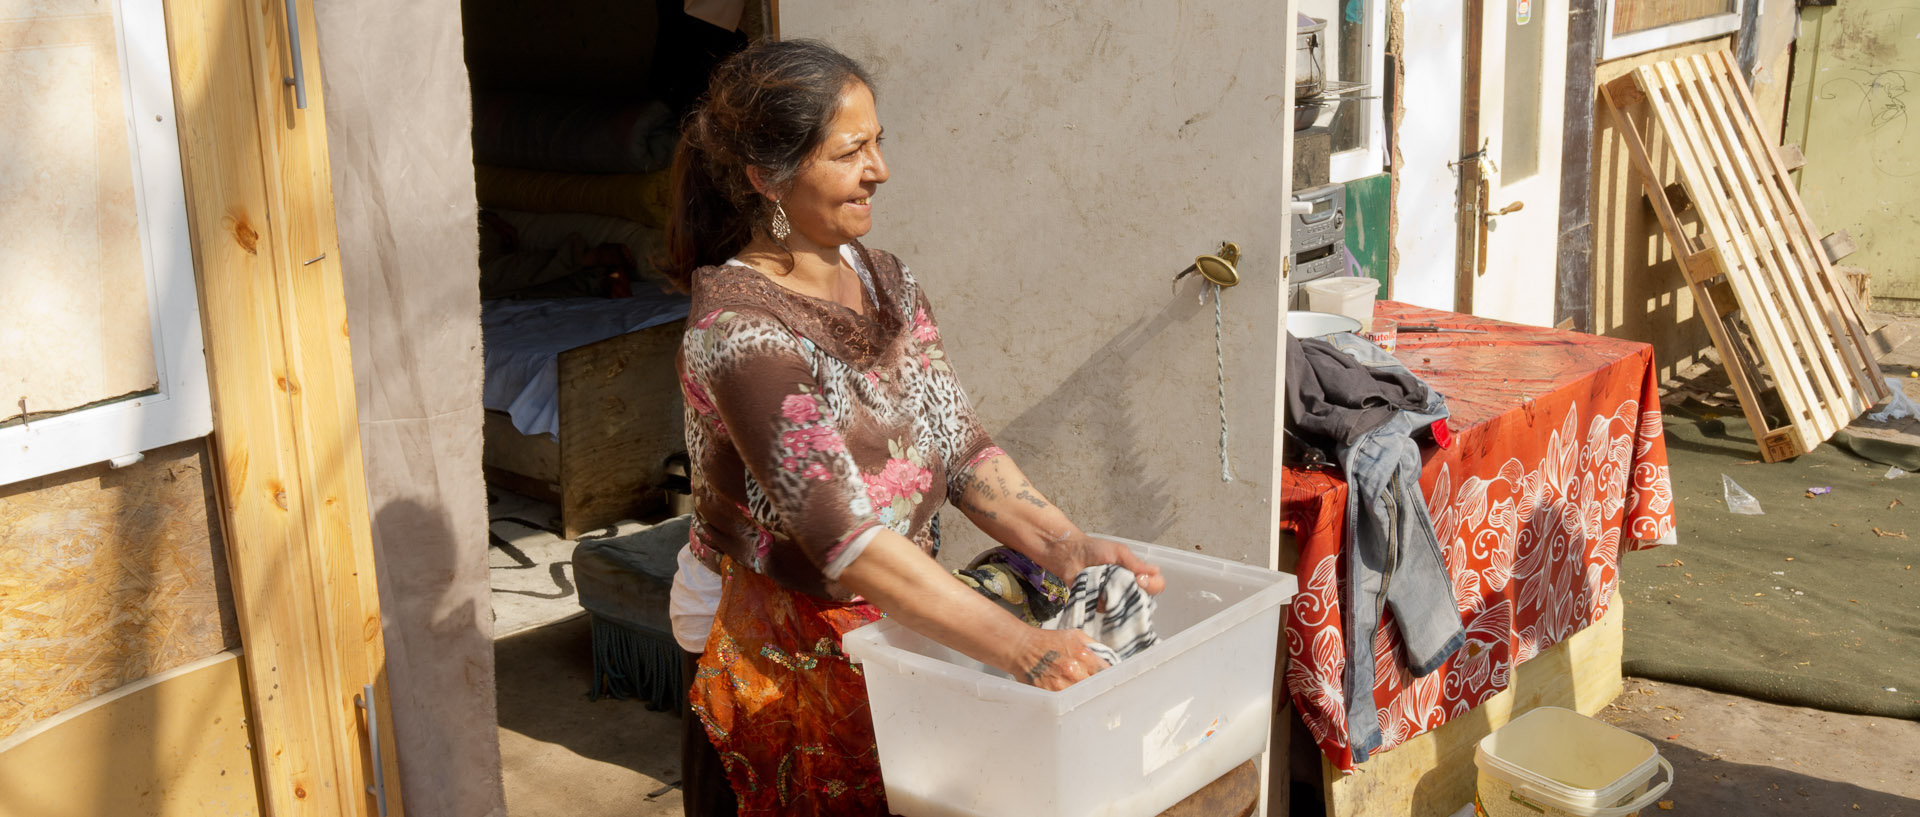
(1041, 666)
(1031, 498)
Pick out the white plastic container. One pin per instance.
(1349, 296)
(1561, 763)
(960, 740)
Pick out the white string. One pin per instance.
(1220, 372)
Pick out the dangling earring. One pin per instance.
(778, 225)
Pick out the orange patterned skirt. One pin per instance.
(784, 707)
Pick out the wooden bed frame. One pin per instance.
(620, 419)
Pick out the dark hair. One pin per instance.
(769, 107)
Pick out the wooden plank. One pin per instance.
(294, 509)
(1808, 306)
(1848, 315)
(1832, 302)
(1766, 306)
(172, 745)
(1434, 775)
(1859, 282)
(1624, 95)
(535, 456)
(620, 416)
(1838, 244)
(108, 576)
(1791, 159)
(1234, 794)
(1684, 139)
(1807, 340)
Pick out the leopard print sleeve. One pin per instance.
(756, 379)
(964, 442)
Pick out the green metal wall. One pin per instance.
(1847, 108)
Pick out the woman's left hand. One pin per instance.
(1067, 556)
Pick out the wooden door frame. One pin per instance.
(291, 485)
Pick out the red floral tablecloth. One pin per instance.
(1557, 462)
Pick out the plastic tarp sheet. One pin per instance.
(398, 128)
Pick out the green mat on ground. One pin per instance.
(1804, 605)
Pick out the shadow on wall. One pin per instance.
(1125, 500)
(1639, 293)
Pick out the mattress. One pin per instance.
(524, 339)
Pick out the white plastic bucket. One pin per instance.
(1559, 763)
(1352, 297)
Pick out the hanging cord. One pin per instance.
(1220, 372)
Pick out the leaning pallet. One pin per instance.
(1786, 326)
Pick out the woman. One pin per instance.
(826, 428)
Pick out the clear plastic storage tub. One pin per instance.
(959, 739)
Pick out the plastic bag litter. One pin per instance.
(1894, 472)
(1900, 406)
(1738, 500)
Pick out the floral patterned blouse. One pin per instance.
(811, 426)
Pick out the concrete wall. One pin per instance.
(1054, 165)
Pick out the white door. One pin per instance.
(1522, 101)
(1054, 164)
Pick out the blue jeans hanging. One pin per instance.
(1392, 553)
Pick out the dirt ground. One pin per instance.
(1734, 757)
(564, 756)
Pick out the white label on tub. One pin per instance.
(1163, 743)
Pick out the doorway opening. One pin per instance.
(576, 108)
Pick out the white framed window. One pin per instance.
(74, 298)
(1354, 55)
(1639, 26)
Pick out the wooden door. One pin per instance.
(1522, 97)
(1484, 139)
(292, 491)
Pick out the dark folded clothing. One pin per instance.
(1333, 399)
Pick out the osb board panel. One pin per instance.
(1639, 15)
(1434, 774)
(1638, 293)
(106, 577)
(620, 416)
(175, 745)
(70, 262)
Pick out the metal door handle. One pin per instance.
(365, 701)
(1220, 269)
(1511, 208)
(298, 80)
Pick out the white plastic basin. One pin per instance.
(957, 739)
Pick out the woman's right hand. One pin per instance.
(1055, 659)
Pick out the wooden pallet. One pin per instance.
(1782, 319)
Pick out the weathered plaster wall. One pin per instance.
(398, 125)
(1053, 166)
(107, 577)
(1851, 86)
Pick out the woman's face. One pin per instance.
(830, 202)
